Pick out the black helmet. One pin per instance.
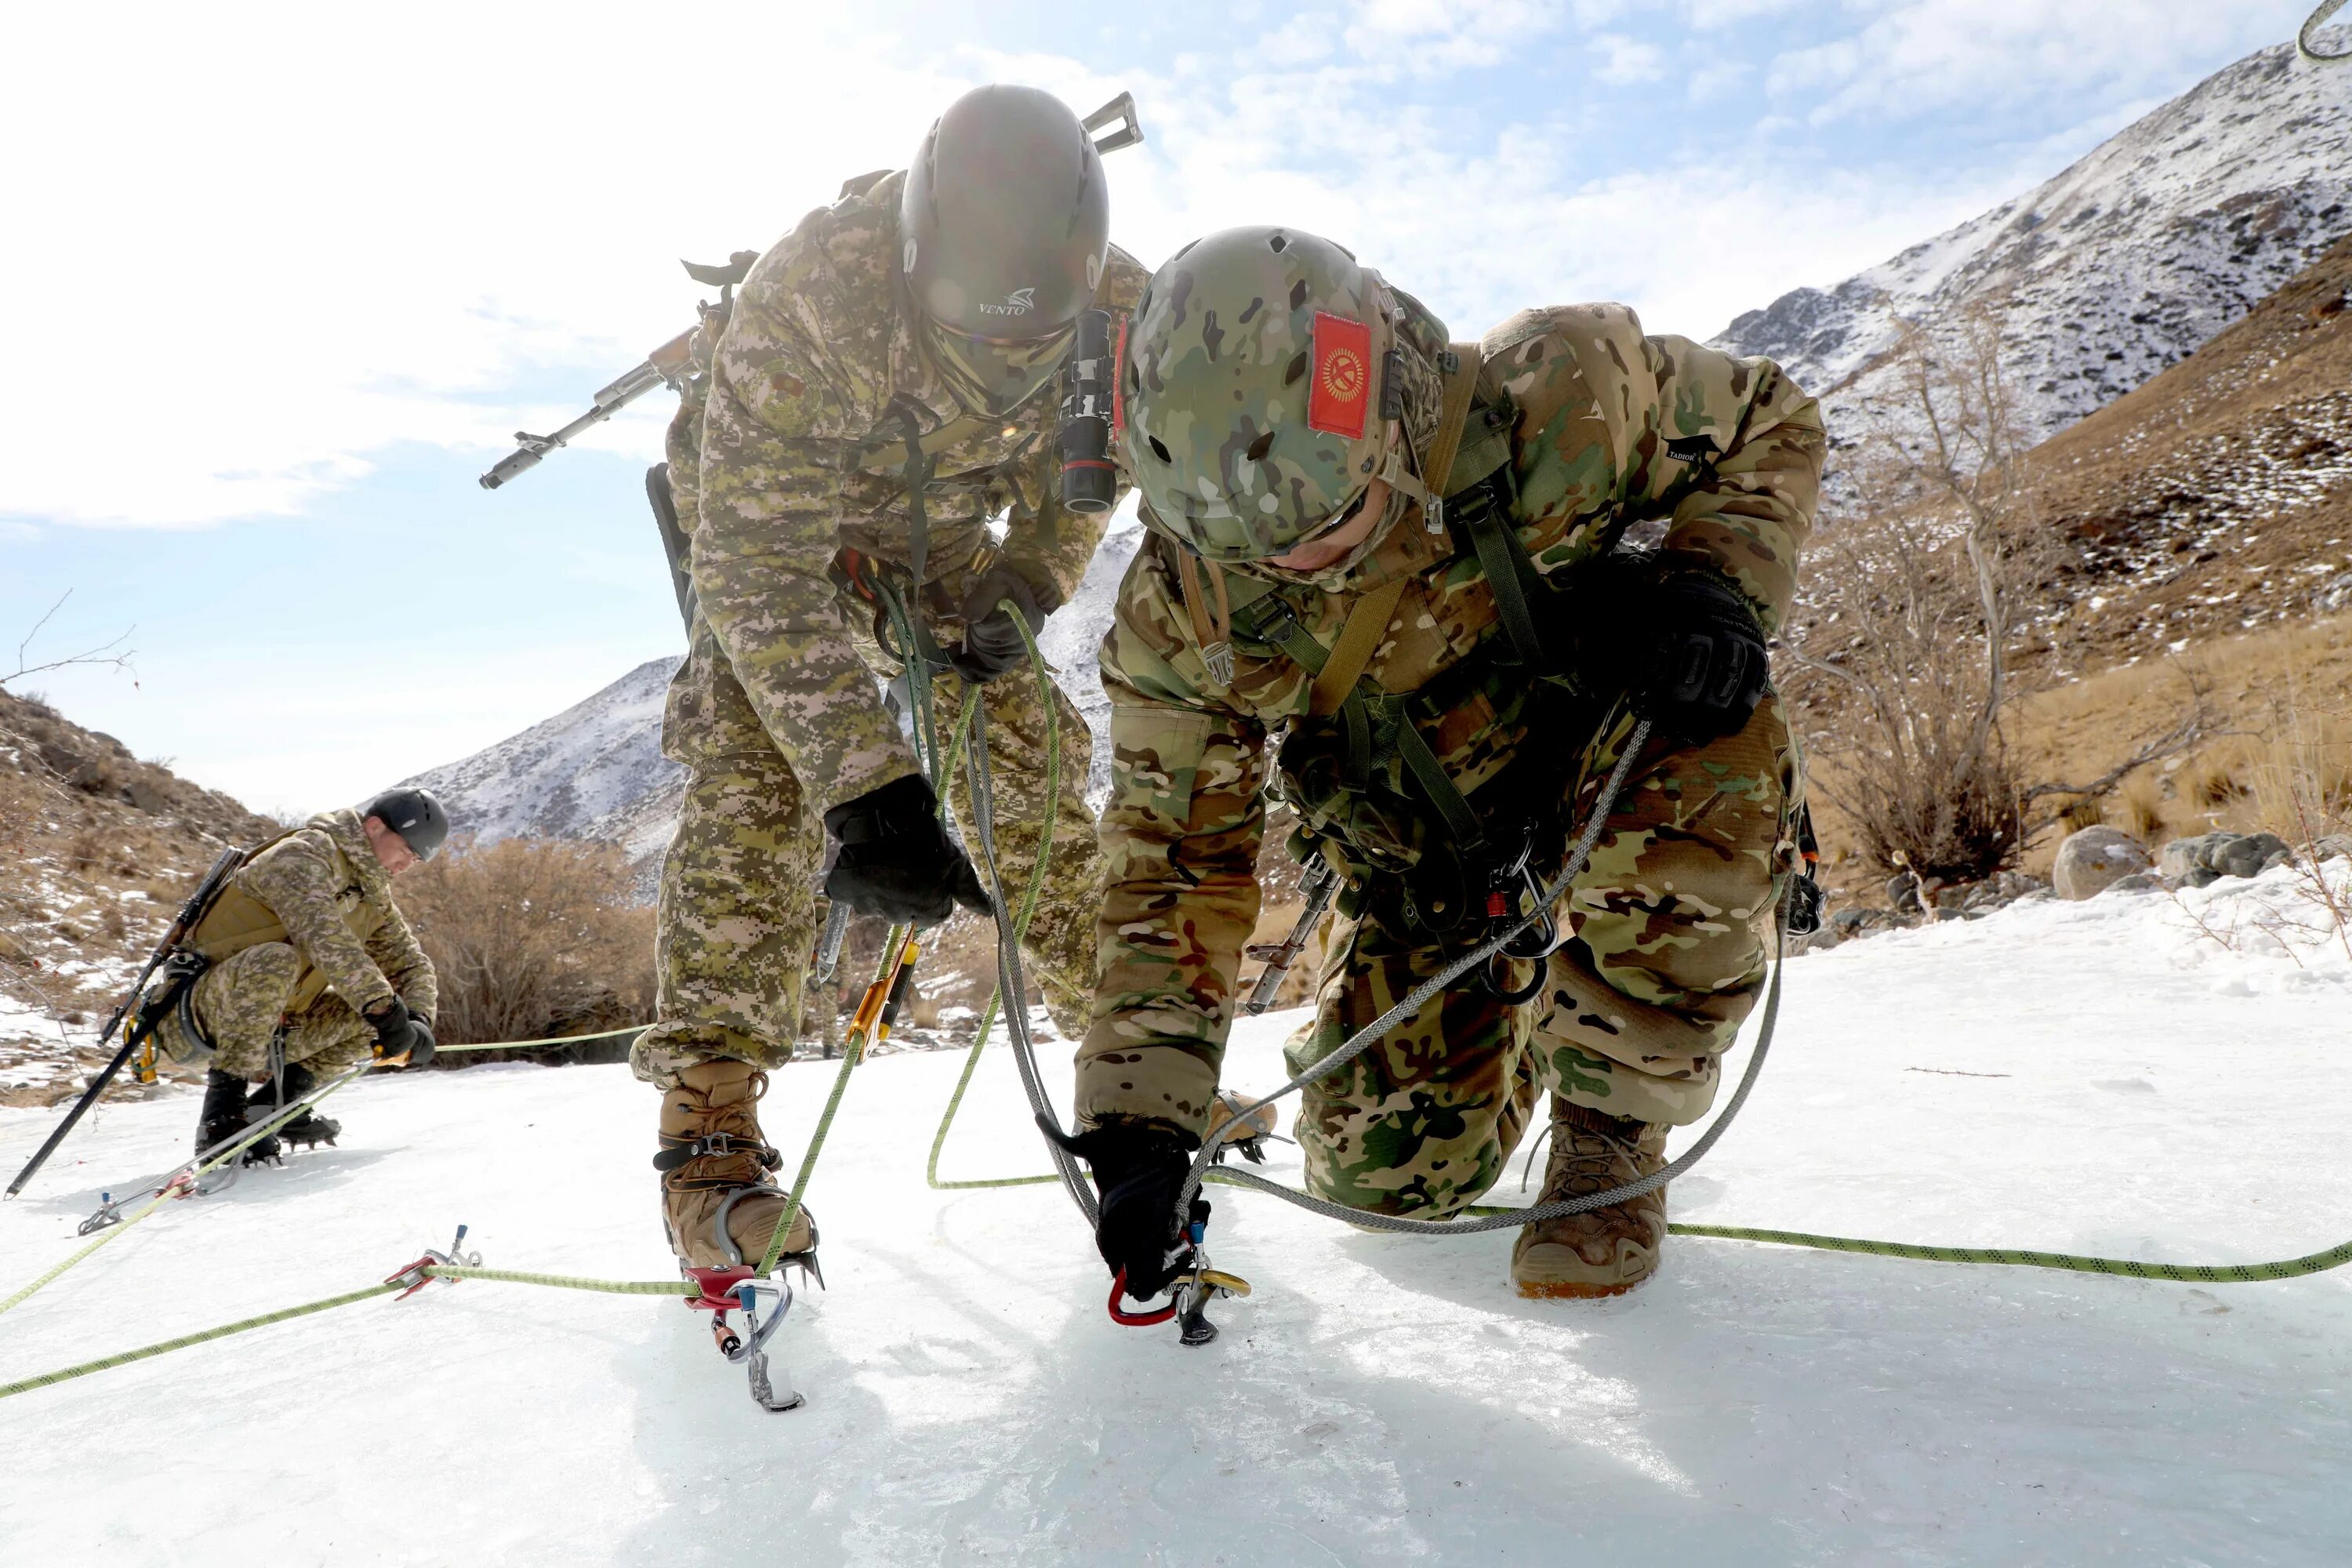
(416, 816)
(1006, 218)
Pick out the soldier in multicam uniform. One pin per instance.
(1449, 685)
(309, 966)
(880, 391)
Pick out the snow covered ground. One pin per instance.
(2095, 1076)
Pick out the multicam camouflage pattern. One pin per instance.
(1608, 427)
(814, 385)
(793, 448)
(1221, 383)
(305, 940)
(1670, 916)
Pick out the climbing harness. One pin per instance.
(2306, 42)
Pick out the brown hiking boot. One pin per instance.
(1601, 1252)
(711, 1151)
(1249, 1135)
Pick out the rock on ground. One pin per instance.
(2094, 857)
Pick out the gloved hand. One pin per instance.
(421, 1052)
(1139, 1169)
(992, 643)
(897, 861)
(396, 1034)
(1678, 640)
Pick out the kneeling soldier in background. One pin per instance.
(308, 967)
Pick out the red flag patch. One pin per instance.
(1342, 394)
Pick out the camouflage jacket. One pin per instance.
(321, 890)
(804, 450)
(1594, 405)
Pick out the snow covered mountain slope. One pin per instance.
(2126, 262)
(588, 772)
(2094, 1076)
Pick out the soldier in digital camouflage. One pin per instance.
(1447, 686)
(882, 389)
(308, 967)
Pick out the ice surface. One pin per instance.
(2095, 1076)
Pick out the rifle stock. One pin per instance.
(190, 912)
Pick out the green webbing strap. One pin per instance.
(1505, 562)
(1461, 822)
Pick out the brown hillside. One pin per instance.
(2218, 497)
(97, 850)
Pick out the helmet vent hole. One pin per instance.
(1259, 447)
(1159, 449)
(1296, 368)
(1278, 243)
(1298, 293)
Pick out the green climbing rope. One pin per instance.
(254, 1134)
(2071, 1262)
(677, 1288)
(1053, 794)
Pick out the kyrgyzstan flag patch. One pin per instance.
(1341, 396)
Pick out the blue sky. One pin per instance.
(300, 271)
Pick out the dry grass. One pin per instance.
(2279, 752)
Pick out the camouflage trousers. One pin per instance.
(1670, 920)
(240, 1004)
(738, 918)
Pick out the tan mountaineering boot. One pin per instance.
(711, 1151)
(1606, 1251)
(1249, 1135)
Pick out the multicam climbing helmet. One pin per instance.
(1262, 388)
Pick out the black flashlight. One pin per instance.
(1089, 482)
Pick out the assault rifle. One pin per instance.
(663, 367)
(667, 365)
(190, 914)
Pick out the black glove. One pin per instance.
(1138, 1170)
(1680, 642)
(992, 643)
(422, 1051)
(396, 1032)
(897, 861)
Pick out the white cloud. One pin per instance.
(1625, 60)
(1911, 58)
(274, 242)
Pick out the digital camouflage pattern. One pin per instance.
(792, 448)
(814, 385)
(1606, 426)
(740, 912)
(306, 938)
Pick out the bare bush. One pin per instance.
(532, 937)
(1907, 658)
